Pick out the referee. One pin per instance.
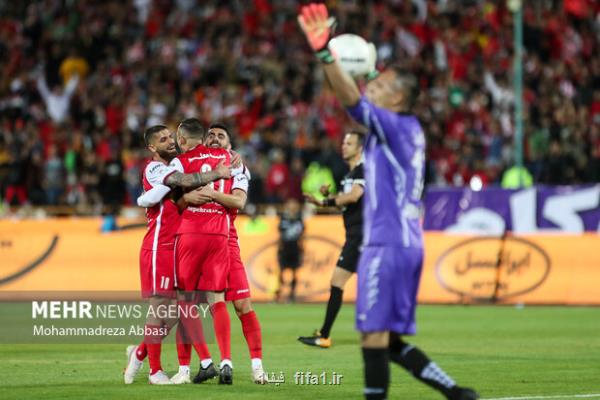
(351, 200)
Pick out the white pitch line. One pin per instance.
(564, 396)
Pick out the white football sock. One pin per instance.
(184, 369)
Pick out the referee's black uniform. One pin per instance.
(353, 219)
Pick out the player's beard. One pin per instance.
(167, 155)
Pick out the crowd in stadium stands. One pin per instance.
(81, 80)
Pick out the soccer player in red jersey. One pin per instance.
(157, 252)
(238, 289)
(201, 249)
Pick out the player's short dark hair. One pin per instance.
(408, 83)
(193, 128)
(151, 132)
(220, 125)
(360, 136)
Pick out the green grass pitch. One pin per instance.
(500, 351)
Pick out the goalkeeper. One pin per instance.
(390, 264)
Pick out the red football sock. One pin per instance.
(184, 349)
(252, 333)
(222, 327)
(141, 352)
(192, 332)
(153, 345)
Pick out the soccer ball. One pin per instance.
(354, 54)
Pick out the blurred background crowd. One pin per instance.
(81, 80)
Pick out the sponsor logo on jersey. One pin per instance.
(205, 210)
(155, 167)
(205, 156)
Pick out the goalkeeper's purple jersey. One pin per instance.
(394, 176)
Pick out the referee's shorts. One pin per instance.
(350, 253)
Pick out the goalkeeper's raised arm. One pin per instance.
(316, 25)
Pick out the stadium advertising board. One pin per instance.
(488, 268)
(72, 255)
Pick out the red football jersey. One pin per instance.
(163, 218)
(210, 218)
(232, 231)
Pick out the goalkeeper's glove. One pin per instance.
(373, 61)
(317, 26)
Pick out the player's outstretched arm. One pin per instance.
(236, 159)
(314, 22)
(153, 196)
(193, 198)
(193, 181)
(237, 199)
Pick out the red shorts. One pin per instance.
(237, 281)
(157, 272)
(201, 262)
